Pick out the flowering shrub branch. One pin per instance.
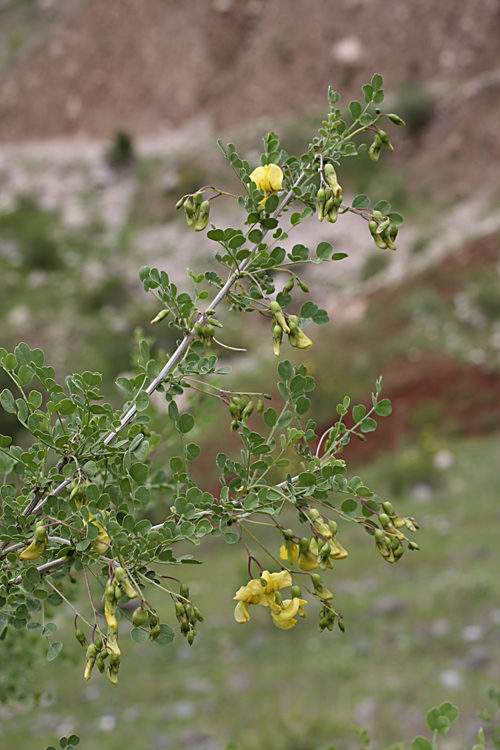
(74, 502)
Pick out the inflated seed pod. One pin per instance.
(139, 617)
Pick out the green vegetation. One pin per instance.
(412, 640)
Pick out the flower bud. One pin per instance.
(375, 148)
(396, 120)
(260, 406)
(385, 140)
(161, 316)
(288, 286)
(80, 637)
(189, 211)
(203, 217)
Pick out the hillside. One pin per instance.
(86, 68)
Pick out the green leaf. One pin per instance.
(339, 256)
(382, 206)
(295, 219)
(142, 401)
(379, 97)
(251, 501)
(33, 575)
(8, 402)
(54, 651)
(368, 92)
(192, 451)
(308, 309)
(173, 412)
(299, 252)
(255, 236)
(307, 479)
(74, 740)
(368, 425)
(284, 419)
(302, 405)
(361, 201)
(450, 711)
(35, 627)
(377, 82)
(186, 423)
(270, 418)
(320, 317)
(54, 599)
(176, 464)
(397, 218)
(355, 109)
(166, 635)
(285, 370)
(324, 250)
(358, 412)
(349, 505)
(231, 538)
(22, 353)
(383, 408)
(139, 635)
(139, 472)
(421, 743)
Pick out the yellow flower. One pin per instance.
(289, 551)
(257, 593)
(268, 179)
(284, 619)
(307, 561)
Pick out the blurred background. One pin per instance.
(109, 112)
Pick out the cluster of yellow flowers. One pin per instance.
(319, 551)
(266, 591)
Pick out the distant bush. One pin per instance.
(121, 152)
(374, 264)
(416, 106)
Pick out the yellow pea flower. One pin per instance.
(289, 551)
(255, 593)
(285, 618)
(268, 179)
(307, 561)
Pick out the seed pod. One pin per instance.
(122, 577)
(288, 286)
(139, 617)
(303, 286)
(203, 216)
